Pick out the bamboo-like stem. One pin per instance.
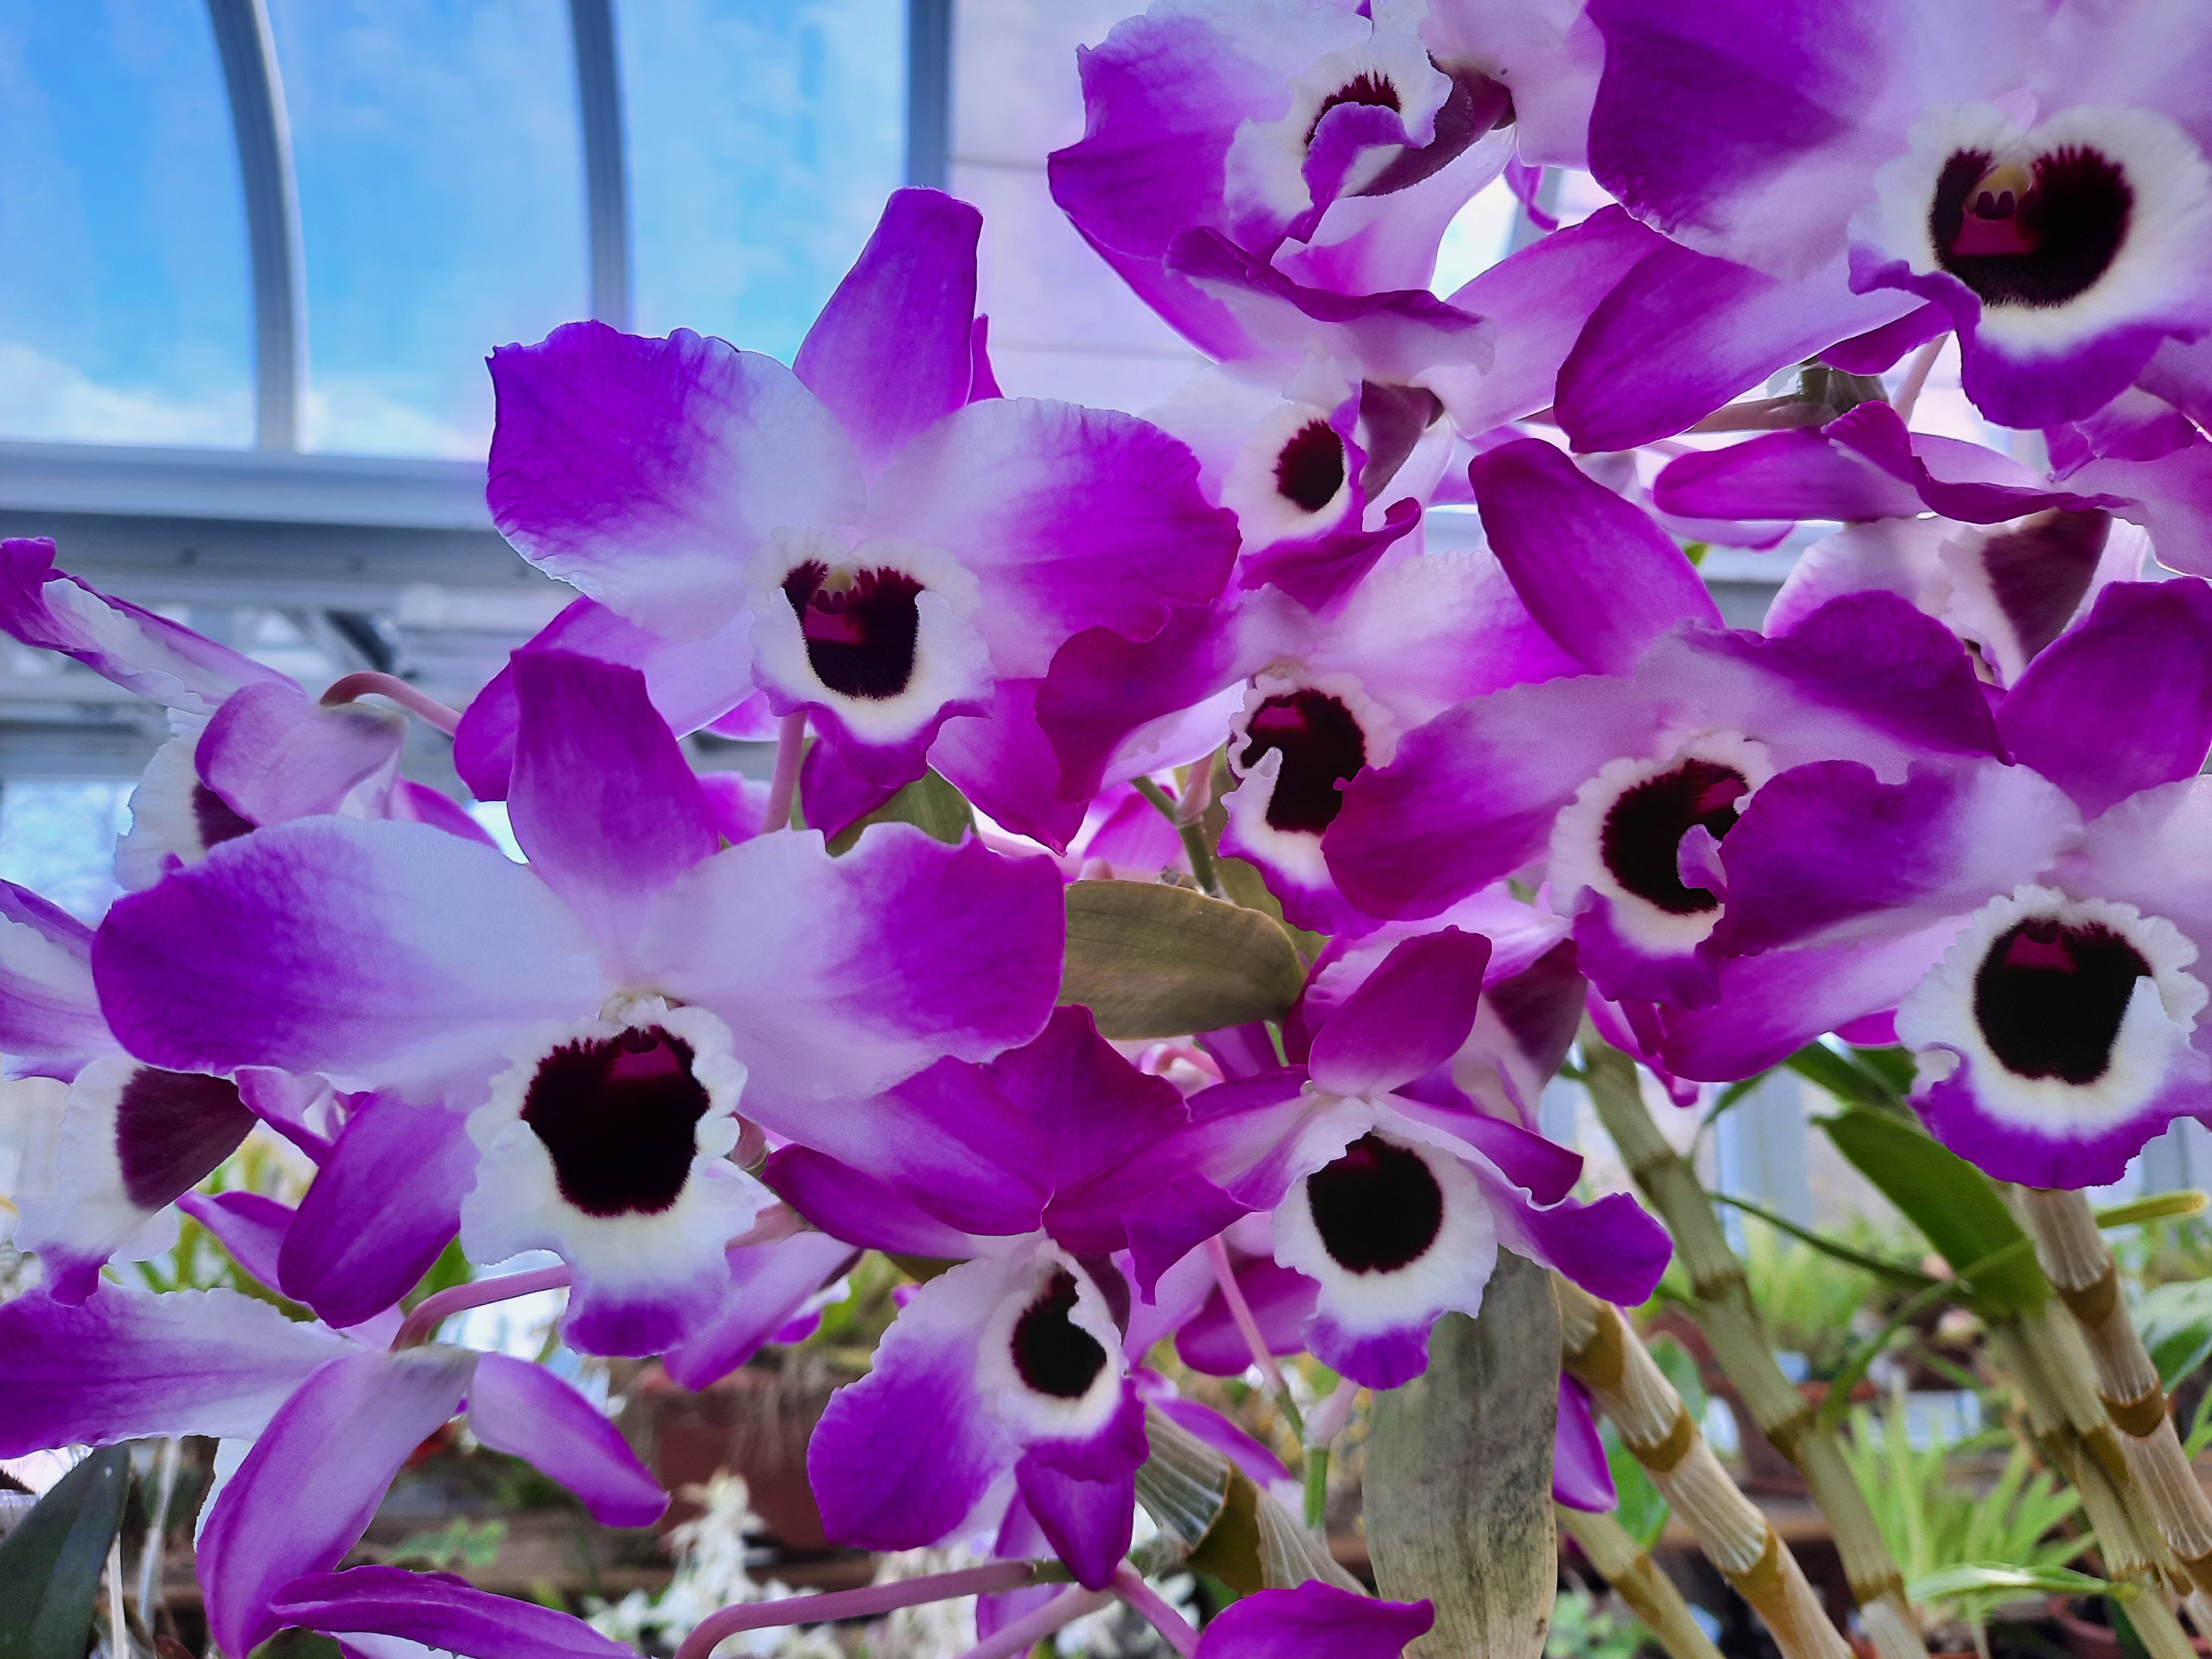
(1603, 1349)
(2079, 1265)
(1724, 1310)
(1650, 1593)
(2042, 1354)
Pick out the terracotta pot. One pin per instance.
(755, 1423)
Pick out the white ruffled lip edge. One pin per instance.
(1029, 1414)
(1936, 1018)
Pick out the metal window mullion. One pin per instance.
(606, 176)
(247, 49)
(929, 93)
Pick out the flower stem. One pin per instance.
(1721, 1301)
(1603, 1351)
(790, 750)
(1240, 1310)
(2078, 1262)
(1193, 836)
(1130, 1585)
(433, 1310)
(1027, 1631)
(350, 688)
(1650, 1594)
(990, 1579)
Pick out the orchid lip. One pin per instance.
(1052, 1354)
(1378, 1207)
(1644, 830)
(1369, 86)
(1323, 747)
(859, 626)
(618, 1116)
(1310, 467)
(2050, 997)
(2034, 235)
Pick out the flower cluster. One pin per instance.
(1092, 729)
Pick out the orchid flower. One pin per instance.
(596, 1013)
(250, 747)
(1394, 1206)
(2044, 190)
(2036, 925)
(852, 535)
(1612, 786)
(1014, 1358)
(2007, 561)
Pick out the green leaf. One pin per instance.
(929, 803)
(1639, 1507)
(298, 1644)
(1995, 1578)
(2176, 1323)
(50, 1564)
(1829, 1247)
(1949, 1199)
(1838, 1398)
(2157, 1207)
(1154, 961)
(1895, 1066)
(1842, 1076)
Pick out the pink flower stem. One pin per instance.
(1027, 1631)
(990, 1579)
(433, 1310)
(776, 1224)
(1129, 1584)
(1232, 1293)
(351, 688)
(790, 750)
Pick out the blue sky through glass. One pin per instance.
(764, 138)
(442, 207)
(125, 310)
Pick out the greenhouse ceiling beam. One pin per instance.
(929, 93)
(607, 173)
(248, 51)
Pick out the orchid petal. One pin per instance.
(381, 1209)
(353, 1422)
(273, 755)
(1315, 1617)
(1411, 1014)
(121, 642)
(389, 953)
(774, 1282)
(646, 471)
(438, 1612)
(1602, 578)
(125, 1365)
(2124, 702)
(892, 351)
(903, 1455)
(862, 970)
(519, 1407)
(602, 799)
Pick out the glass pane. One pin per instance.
(125, 306)
(764, 138)
(442, 207)
(58, 838)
